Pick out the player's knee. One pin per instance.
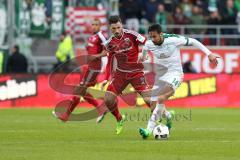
(109, 99)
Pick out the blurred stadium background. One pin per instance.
(207, 103)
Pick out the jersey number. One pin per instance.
(176, 82)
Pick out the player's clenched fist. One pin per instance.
(213, 59)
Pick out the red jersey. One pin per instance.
(95, 46)
(125, 50)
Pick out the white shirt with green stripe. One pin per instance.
(167, 60)
(168, 53)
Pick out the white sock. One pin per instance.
(163, 111)
(168, 114)
(158, 113)
(153, 119)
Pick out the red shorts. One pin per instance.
(90, 78)
(120, 81)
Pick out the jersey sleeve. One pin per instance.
(102, 38)
(180, 41)
(94, 44)
(91, 45)
(141, 39)
(199, 45)
(185, 41)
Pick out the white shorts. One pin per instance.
(172, 79)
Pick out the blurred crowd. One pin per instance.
(137, 14)
(182, 12)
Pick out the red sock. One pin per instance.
(73, 104)
(90, 99)
(100, 107)
(116, 112)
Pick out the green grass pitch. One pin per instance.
(34, 134)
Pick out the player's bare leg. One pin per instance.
(167, 93)
(111, 102)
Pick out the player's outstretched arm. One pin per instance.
(212, 58)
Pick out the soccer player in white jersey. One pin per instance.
(168, 73)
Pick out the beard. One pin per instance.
(118, 35)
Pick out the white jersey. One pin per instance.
(168, 53)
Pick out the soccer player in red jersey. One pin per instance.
(94, 48)
(123, 46)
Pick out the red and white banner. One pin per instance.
(228, 63)
(79, 20)
(197, 90)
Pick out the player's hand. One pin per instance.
(142, 58)
(213, 59)
(105, 53)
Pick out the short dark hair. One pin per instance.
(16, 47)
(155, 27)
(114, 19)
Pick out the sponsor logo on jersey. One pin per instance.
(123, 46)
